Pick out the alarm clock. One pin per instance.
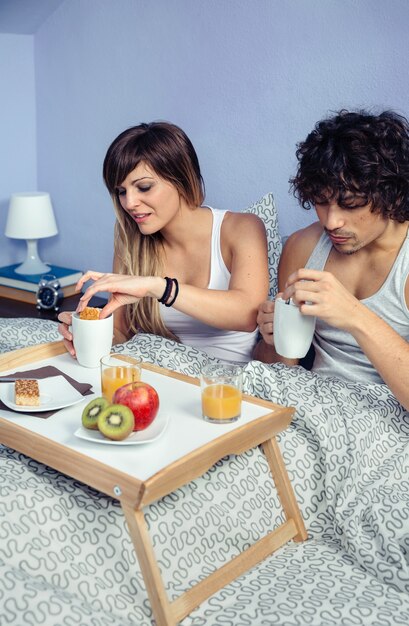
(49, 293)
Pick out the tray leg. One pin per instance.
(284, 487)
(153, 580)
(171, 613)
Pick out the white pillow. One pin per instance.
(266, 210)
(21, 332)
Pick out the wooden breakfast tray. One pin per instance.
(186, 450)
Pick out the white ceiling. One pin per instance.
(24, 17)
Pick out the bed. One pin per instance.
(65, 554)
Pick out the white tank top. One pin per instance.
(227, 345)
(336, 351)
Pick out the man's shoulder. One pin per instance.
(302, 242)
(297, 250)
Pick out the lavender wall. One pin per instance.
(18, 162)
(246, 79)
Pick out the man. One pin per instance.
(352, 266)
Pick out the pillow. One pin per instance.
(21, 332)
(266, 210)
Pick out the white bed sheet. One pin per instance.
(65, 556)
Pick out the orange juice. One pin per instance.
(116, 376)
(221, 402)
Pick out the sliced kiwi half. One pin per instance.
(116, 422)
(91, 411)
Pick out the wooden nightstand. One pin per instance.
(15, 308)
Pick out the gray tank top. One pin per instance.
(336, 351)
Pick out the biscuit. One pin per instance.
(26, 393)
(90, 313)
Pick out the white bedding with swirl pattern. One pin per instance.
(66, 558)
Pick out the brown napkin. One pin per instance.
(48, 372)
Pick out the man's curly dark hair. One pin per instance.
(356, 158)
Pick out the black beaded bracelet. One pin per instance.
(167, 292)
(176, 293)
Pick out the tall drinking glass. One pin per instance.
(221, 388)
(118, 370)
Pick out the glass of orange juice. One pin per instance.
(221, 387)
(117, 370)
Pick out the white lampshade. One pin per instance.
(31, 217)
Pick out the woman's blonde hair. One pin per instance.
(170, 153)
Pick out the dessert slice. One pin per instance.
(90, 313)
(26, 393)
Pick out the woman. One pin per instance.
(181, 270)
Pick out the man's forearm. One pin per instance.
(266, 354)
(387, 351)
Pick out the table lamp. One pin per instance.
(31, 217)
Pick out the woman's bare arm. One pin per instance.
(232, 309)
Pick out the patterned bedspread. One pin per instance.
(66, 558)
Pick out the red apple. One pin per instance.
(143, 401)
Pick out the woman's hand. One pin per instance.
(265, 321)
(124, 289)
(65, 320)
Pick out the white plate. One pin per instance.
(55, 393)
(155, 430)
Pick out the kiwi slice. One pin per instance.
(116, 422)
(91, 411)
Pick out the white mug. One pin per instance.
(293, 331)
(92, 339)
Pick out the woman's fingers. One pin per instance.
(89, 275)
(104, 283)
(64, 331)
(265, 320)
(65, 319)
(109, 308)
(268, 328)
(69, 347)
